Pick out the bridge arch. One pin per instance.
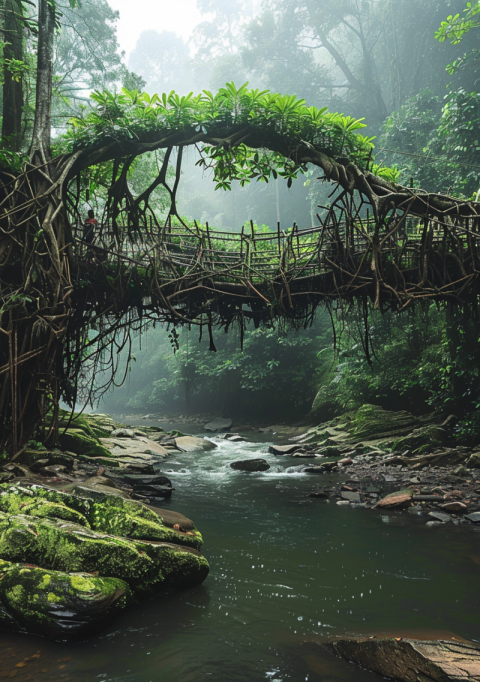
(379, 240)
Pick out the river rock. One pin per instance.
(408, 660)
(123, 433)
(172, 518)
(400, 499)
(218, 424)
(149, 491)
(421, 439)
(473, 461)
(140, 468)
(251, 465)
(100, 480)
(440, 516)
(350, 496)
(97, 491)
(284, 449)
(474, 518)
(320, 468)
(193, 444)
(234, 438)
(80, 443)
(137, 479)
(331, 451)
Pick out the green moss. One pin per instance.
(55, 604)
(34, 502)
(420, 440)
(80, 582)
(45, 582)
(128, 518)
(53, 598)
(77, 441)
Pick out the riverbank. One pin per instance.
(376, 459)
(287, 571)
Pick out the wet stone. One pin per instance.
(351, 496)
(440, 516)
(251, 465)
(284, 449)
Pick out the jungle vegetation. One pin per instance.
(63, 149)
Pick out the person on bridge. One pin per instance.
(89, 228)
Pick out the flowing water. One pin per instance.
(286, 571)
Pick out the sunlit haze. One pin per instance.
(160, 15)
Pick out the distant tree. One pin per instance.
(162, 60)
(14, 70)
(365, 57)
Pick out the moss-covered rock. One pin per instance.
(424, 439)
(371, 422)
(121, 544)
(81, 443)
(102, 512)
(473, 461)
(68, 547)
(24, 502)
(30, 457)
(58, 605)
(95, 425)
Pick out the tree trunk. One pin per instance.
(13, 87)
(40, 151)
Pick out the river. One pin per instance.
(285, 572)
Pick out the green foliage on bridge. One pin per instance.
(224, 124)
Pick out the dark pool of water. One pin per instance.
(285, 572)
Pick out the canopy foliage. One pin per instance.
(138, 117)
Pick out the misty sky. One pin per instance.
(160, 15)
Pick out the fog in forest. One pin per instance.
(375, 60)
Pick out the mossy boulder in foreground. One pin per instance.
(121, 546)
(56, 604)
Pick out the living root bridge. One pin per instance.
(189, 275)
(67, 309)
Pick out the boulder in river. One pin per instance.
(193, 444)
(58, 605)
(251, 465)
(408, 660)
(219, 424)
(69, 562)
(284, 449)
